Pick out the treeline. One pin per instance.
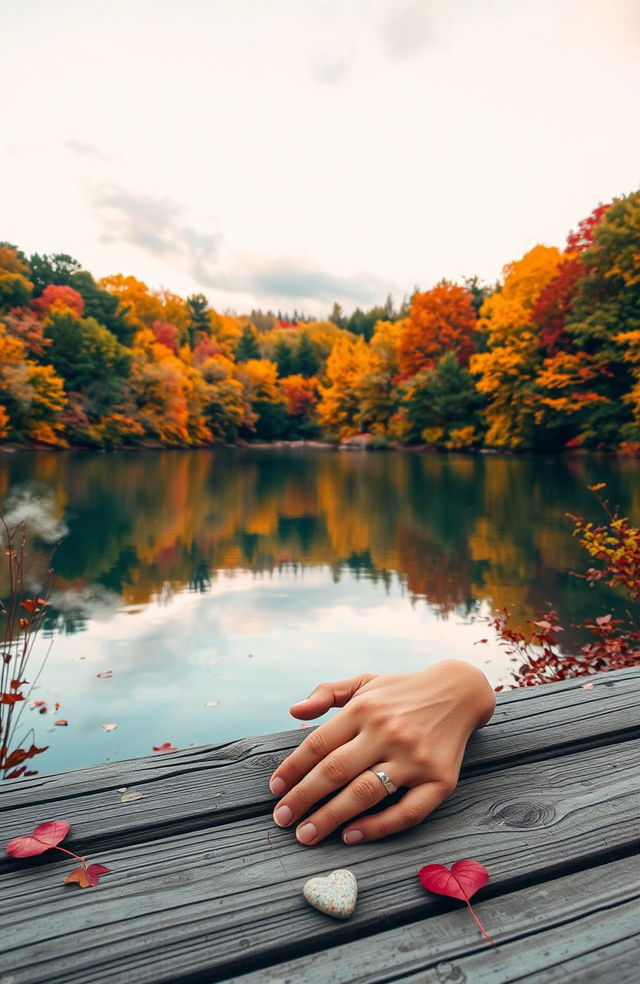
(547, 359)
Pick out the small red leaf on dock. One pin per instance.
(461, 881)
(167, 747)
(87, 877)
(42, 839)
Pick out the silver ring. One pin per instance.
(388, 784)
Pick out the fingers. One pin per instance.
(416, 804)
(361, 794)
(332, 773)
(327, 695)
(316, 746)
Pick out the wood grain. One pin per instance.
(207, 905)
(548, 930)
(212, 785)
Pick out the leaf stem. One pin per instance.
(77, 856)
(481, 927)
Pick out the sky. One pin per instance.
(287, 154)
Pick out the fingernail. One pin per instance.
(306, 833)
(283, 815)
(277, 786)
(353, 836)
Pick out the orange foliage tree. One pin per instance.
(441, 320)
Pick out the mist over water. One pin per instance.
(220, 586)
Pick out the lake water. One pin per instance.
(218, 587)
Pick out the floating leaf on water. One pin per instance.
(105, 675)
(167, 747)
(212, 703)
(109, 727)
(214, 662)
(61, 721)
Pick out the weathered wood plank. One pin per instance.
(216, 784)
(540, 930)
(205, 905)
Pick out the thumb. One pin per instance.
(327, 695)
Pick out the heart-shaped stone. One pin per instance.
(336, 895)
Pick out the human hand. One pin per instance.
(413, 726)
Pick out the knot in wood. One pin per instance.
(449, 973)
(523, 814)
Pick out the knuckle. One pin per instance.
(366, 790)
(412, 815)
(448, 785)
(425, 764)
(327, 820)
(366, 703)
(382, 829)
(394, 733)
(316, 743)
(335, 769)
(300, 800)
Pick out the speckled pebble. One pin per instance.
(335, 895)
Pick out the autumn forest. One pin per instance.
(546, 359)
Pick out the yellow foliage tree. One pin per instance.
(339, 406)
(138, 304)
(507, 370)
(33, 395)
(376, 387)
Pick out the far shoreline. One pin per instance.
(350, 446)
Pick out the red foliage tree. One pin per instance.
(166, 334)
(554, 304)
(441, 320)
(205, 348)
(300, 393)
(582, 237)
(61, 298)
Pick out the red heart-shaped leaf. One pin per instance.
(461, 882)
(44, 837)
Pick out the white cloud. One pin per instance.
(269, 152)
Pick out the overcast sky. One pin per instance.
(286, 153)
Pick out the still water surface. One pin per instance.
(218, 587)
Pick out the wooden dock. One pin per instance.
(205, 888)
